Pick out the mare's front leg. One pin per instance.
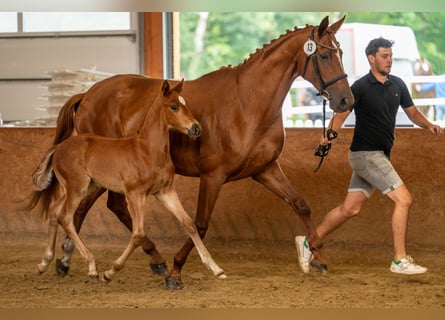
(274, 179)
(209, 189)
(118, 205)
(169, 198)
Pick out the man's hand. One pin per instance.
(435, 129)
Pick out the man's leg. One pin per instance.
(332, 221)
(402, 263)
(402, 203)
(352, 205)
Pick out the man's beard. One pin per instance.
(383, 73)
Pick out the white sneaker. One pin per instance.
(406, 266)
(304, 253)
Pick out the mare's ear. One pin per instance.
(178, 87)
(323, 25)
(165, 89)
(336, 26)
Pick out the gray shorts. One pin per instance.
(372, 170)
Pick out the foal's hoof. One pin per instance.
(93, 278)
(61, 269)
(159, 268)
(320, 267)
(173, 283)
(105, 279)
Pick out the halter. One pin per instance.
(310, 47)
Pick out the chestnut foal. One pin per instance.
(136, 167)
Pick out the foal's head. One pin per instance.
(176, 112)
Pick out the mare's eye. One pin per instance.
(324, 56)
(174, 107)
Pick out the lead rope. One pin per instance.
(323, 150)
(310, 47)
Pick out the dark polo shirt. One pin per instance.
(375, 108)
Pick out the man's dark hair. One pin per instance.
(375, 44)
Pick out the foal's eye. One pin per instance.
(174, 107)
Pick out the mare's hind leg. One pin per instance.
(63, 264)
(117, 203)
(274, 179)
(170, 200)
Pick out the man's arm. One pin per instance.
(420, 120)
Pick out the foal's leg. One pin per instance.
(117, 203)
(63, 264)
(136, 206)
(209, 189)
(170, 200)
(52, 235)
(274, 179)
(66, 221)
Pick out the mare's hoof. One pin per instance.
(61, 269)
(320, 267)
(159, 268)
(173, 283)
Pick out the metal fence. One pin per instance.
(298, 113)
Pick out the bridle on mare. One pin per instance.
(310, 47)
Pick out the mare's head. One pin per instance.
(323, 65)
(176, 112)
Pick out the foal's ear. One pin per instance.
(178, 87)
(165, 88)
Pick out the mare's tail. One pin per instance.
(45, 185)
(65, 119)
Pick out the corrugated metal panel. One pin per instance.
(28, 58)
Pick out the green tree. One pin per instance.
(427, 26)
(229, 38)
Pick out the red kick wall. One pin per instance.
(246, 210)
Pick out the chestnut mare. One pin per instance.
(240, 111)
(135, 167)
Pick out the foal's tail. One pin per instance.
(65, 119)
(45, 185)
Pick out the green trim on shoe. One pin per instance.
(306, 245)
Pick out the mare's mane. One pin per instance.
(265, 48)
